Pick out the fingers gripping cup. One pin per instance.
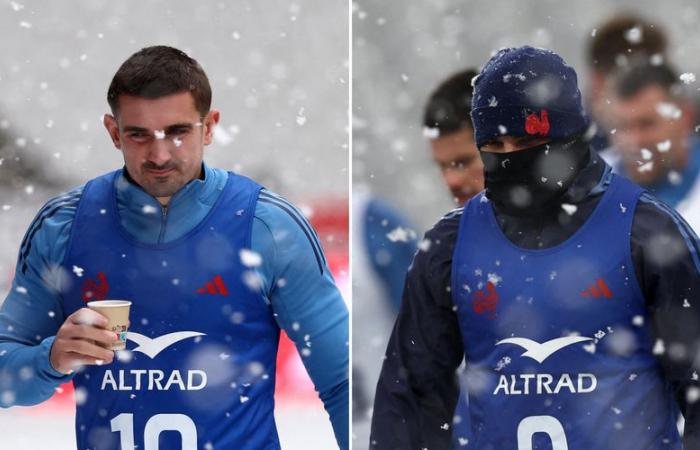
(117, 314)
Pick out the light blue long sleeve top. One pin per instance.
(295, 280)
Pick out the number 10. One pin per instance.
(124, 425)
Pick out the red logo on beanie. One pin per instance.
(537, 125)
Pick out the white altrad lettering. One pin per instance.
(541, 383)
(128, 380)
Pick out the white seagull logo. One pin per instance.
(540, 352)
(151, 347)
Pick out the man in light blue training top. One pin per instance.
(214, 265)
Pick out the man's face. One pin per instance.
(162, 140)
(651, 129)
(460, 164)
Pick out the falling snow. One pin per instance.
(664, 146)
(687, 77)
(249, 258)
(400, 234)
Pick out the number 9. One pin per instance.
(541, 424)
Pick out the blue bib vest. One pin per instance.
(199, 370)
(557, 341)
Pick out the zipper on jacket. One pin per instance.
(163, 222)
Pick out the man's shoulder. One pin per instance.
(47, 234)
(440, 240)
(277, 212)
(62, 206)
(657, 224)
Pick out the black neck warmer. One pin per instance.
(533, 180)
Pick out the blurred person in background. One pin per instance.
(448, 126)
(200, 252)
(567, 288)
(617, 43)
(654, 143)
(383, 246)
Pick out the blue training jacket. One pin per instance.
(295, 287)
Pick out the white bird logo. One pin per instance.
(151, 347)
(540, 352)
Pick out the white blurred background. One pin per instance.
(279, 74)
(403, 50)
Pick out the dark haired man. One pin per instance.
(654, 143)
(569, 291)
(214, 265)
(448, 125)
(621, 41)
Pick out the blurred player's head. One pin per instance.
(652, 121)
(620, 42)
(449, 127)
(161, 118)
(530, 128)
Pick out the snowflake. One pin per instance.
(569, 209)
(431, 133)
(687, 77)
(250, 258)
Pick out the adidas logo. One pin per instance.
(216, 286)
(598, 289)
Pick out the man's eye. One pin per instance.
(138, 135)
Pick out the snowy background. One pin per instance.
(400, 54)
(403, 50)
(279, 74)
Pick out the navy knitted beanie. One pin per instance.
(527, 91)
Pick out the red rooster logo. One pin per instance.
(93, 290)
(537, 125)
(486, 302)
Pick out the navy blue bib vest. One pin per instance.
(557, 341)
(199, 370)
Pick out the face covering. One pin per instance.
(533, 180)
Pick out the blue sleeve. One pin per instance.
(32, 313)
(391, 243)
(306, 302)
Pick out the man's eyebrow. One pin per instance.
(135, 128)
(175, 126)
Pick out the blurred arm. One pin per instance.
(417, 390)
(307, 304)
(391, 243)
(667, 263)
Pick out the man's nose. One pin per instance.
(159, 152)
(453, 178)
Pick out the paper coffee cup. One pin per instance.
(117, 314)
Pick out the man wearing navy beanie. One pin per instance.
(569, 291)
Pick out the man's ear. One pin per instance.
(210, 122)
(112, 127)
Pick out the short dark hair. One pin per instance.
(630, 82)
(612, 40)
(157, 71)
(449, 107)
